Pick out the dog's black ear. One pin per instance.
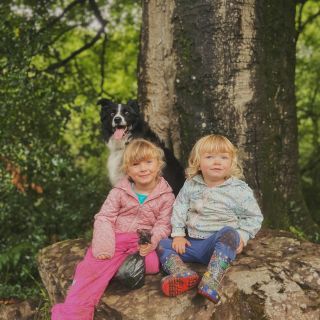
(134, 104)
(104, 102)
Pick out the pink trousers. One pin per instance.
(92, 277)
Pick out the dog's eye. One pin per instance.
(126, 113)
(112, 114)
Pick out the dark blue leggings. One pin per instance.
(225, 241)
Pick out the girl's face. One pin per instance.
(215, 167)
(144, 174)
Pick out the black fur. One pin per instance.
(128, 117)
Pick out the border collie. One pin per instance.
(120, 124)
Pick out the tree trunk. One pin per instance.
(228, 68)
(157, 72)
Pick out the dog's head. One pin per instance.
(118, 120)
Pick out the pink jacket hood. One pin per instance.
(122, 212)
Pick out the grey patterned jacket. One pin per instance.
(203, 210)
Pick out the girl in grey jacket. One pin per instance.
(214, 216)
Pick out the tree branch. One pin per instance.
(64, 12)
(302, 25)
(103, 22)
(62, 34)
(102, 63)
(94, 7)
(97, 12)
(299, 20)
(75, 53)
(310, 19)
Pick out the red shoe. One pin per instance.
(178, 283)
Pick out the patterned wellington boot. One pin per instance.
(212, 278)
(180, 278)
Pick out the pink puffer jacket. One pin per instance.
(121, 212)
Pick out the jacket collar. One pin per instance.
(199, 179)
(162, 187)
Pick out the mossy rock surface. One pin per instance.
(276, 277)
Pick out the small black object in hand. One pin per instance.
(144, 236)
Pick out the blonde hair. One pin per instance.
(213, 144)
(140, 149)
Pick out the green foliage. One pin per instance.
(298, 232)
(308, 104)
(52, 160)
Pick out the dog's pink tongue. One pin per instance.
(118, 134)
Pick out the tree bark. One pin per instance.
(228, 67)
(157, 72)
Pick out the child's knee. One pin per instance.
(229, 237)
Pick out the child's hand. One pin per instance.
(145, 249)
(240, 247)
(179, 244)
(103, 257)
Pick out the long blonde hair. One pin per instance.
(213, 144)
(140, 149)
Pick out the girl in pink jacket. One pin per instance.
(142, 200)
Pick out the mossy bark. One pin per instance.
(234, 68)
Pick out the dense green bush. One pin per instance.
(30, 220)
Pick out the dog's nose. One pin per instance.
(117, 120)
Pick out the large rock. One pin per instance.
(12, 309)
(276, 277)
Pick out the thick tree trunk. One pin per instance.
(228, 68)
(157, 72)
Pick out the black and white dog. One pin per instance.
(120, 124)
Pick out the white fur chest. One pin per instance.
(116, 149)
